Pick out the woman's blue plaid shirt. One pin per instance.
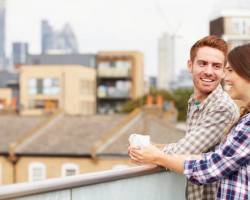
(229, 164)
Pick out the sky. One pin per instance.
(115, 24)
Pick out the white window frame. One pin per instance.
(69, 166)
(34, 165)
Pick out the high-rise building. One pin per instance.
(186, 80)
(165, 61)
(233, 25)
(2, 33)
(58, 41)
(20, 52)
(46, 36)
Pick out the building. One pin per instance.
(166, 49)
(20, 51)
(120, 77)
(62, 59)
(2, 33)
(58, 41)
(233, 25)
(41, 147)
(45, 89)
(9, 91)
(186, 80)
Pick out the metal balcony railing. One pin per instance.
(143, 182)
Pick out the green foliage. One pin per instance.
(131, 105)
(179, 97)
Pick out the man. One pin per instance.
(210, 110)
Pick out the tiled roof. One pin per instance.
(13, 127)
(160, 131)
(71, 135)
(76, 135)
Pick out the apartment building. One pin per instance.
(119, 79)
(233, 25)
(48, 88)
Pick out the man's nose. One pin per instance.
(209, 69)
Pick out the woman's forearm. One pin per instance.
(174, 162)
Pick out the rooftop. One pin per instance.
(78, 135)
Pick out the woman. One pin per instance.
(230, 163)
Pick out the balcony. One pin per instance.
(143, 182)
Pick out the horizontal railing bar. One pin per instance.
(25, 189)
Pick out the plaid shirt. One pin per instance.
(206, 125)
(230, 164)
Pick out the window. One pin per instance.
(32, 86)
(37, 172)
(240, 26)
(47, 86)
(70, 169)
(51, 86)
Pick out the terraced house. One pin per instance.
(43, 147)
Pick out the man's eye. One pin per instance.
(202, 63)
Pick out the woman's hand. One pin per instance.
(146, 155)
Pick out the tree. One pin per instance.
(181, 97)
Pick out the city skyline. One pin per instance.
(108, 25)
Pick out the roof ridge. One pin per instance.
(34, 132)
(115, 132)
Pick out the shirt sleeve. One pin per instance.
(204, 135)
(227, 159)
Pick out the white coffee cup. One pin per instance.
(138, 140)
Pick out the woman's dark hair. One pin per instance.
(239, 60)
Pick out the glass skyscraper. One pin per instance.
(58, 41)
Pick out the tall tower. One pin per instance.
(58, 41)
(20, 52)
(2, 33)
(166, 63)
(46, 36)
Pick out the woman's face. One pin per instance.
(235, 85)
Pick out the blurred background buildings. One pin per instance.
(58, 41)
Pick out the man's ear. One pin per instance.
(190, 66)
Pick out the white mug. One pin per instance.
(138, 140)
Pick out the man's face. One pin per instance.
(207, 70)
